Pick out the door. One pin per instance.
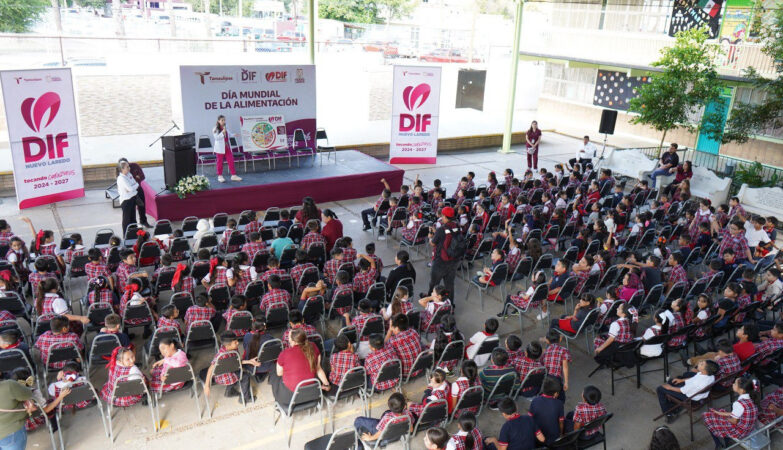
(705, 143)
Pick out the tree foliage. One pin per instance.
(749, 119)
(19, 16)
(95, 4)
(364, 11)
(687, 81)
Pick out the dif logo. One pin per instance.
(33, 112)
(414, 98)
(248, 76)
(276, 77)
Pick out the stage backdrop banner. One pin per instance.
(415, 107)
(263, 133)
(250, 92)
(41, 114)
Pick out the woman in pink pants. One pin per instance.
(223, 150)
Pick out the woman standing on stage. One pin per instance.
(222, 149)
(532, 139)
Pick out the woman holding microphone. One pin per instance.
(222, 149)
(127, 187)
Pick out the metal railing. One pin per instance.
(723, 165)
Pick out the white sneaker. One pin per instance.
(221, 179)
(542, 315)
(235, 178)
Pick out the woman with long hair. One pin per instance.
(300, 361)
(308, 212)
(222, 149)
(532, 139)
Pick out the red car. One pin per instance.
(292, 36)
(444, 55)
(388, 48)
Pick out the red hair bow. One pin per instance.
(141, 233)
(39, 238)
(132, 288)
(213, 263)
(5, 275)
(178, 274)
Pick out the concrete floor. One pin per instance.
(234, 427)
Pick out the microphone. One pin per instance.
(175, 124)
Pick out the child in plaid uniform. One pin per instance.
(238, 303)
(17, 257)
(437, 389)
(41, 273)
(313, 236)
(296, 321)
(619, 333)
(771, 407)
(741, 420)
(168, 319)
(229, 348)
(556, 358)
(255, 244)
(678, 323)
(343, 287)
(273, 268)
(467, 379)
(528, 362)
(342, 360)
(58, 336)
(182, 281)
(405, 342)
(432, 304)
(217, 273)
(468, 437)
(96, 267)
(589, 409)
(172, 358)
(366, 277)
(132, 297)
(274, 294)
(523, 300)
(241, 273)
(231, 228)
(302, 264)
(68, 378)
(370, 429)
(333, 265)
(76, 248)
(349, 253)
(121, 367)
(379, 354)
(370, 253)
(99, 291)
(409, 231)
(202, 310)
(126, 268)
(256, 223)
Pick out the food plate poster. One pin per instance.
(262, 133)
(248, 91)
(415, 111)
(41, 114)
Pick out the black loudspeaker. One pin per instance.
(470, 88)
(179, 141)
(608, 120)
(178, 164)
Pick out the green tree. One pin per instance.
(18, 16)
(95, 4)
(750, 119)
(364, 11)
(687, 81)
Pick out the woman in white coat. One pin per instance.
(222, 149)
(127, 187)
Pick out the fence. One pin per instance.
(724, 166)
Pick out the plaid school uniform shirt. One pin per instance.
(769, 346)
(225, 379)
(727, 365)
(553, 359)
(170, 324)
(441, 393)
(363, 280)
(95, 270)
(119, 373)
(678, 275)
(330, 270)
(585, 413)
(6, 236)
(309, 330)
(79, 250)
(197, 313)
(49, 339)
(679, 322)
(48, 249)
(124, 272)
(349, 254)
(720, 426)
(458, 440)
(253, 227)
(311, 238)
(390, 418)
(407, 345)
(242, 278)
(373, 365)
(188, 285)
(104, 295)
(274, 297)
(429, 313)
(47, 308)
(6, 316)
(409, 232)
(298, 270)
(457, 388)
(220, 277)
(742, 301)
(734, 210)
(378, 265)
(512, 258)
(737, 242)
(775, 399)
(268, 274)
(36, 278)
(360, 320)
(341, 363)
(581, 278)
(124, 300)
(227, 315)
(251, 248)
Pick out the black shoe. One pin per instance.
(500, 315)
(366, 228)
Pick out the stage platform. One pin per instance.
(355, 175)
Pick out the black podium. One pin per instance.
(179, 158)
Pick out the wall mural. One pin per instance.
(688, 14)
(614, 90)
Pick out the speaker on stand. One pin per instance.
(179, 158)
(606, 127)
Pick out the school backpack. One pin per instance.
(454, 246)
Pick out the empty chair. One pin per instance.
(352, 384)
(307, 395)
(342, 439)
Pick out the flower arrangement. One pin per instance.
(191, 185)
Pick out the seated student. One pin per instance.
(165, 265)
(528, 362)
(182, 281)
(437, 389)
(13, 339)
(771, 341)
(281, 243)
(740, 422)
(202, 310)
(173, 357)
(254, 245)
(311, 291)
(313, 236)
(686, 386)
(468, 436)
(369, 213)
(112, 324)
(70, 376)
(333, 266)
(96, 267)
(519, 432)
(467, 379)
(747, 337)
(556, 359)
(446, 334)
(285, 221)
(438, 300)
(523, 300)
(772, 286)
(40, 273)
(58, 335)
(771, 407)
(99, 291)
(660, 326)
(489, 333)
(349, 253)
(48, 303)
(229, 344)
(496, 258)
(574, 321)
(498, 367)
(302, 263)
(620, 333)
(400, 304)
(379, 354)
(238, 303)
(122, 367)
(405, 342)
(589, 409)
(26, 382)
(547, 410)
(241, 273)
(273, 268)
(342, 359)
(370, 430)
(132, 297)
(730, 264)
(365, 278)
(168, 319)
(342, 287)
(275, 295)
(251, 345)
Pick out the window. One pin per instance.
(753, 96)
(569, 83)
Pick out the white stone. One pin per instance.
(706, 184)
(765, 202)
(630, 163)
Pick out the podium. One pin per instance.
(179, 158)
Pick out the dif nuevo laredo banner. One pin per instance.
(248, 91)
(44, 135)
(415, 108)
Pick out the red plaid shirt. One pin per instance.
(409, 234)
(266, 275)
(48, 249)
(363, 280)
(513, 258)
(95, 270)
(737, 242)
(679, 322)
(349, 254)
(36, 278)
(373, 365)
(273, 297)
(524, 365)
(251, 248)
(311, 238)
(734, 210)
(70, 253)
(341, 290)
(341, 363)
(727, 365)
(252, 227)
(378, 202)
(309, 330)
(298, 270)
(775, 398)
(196, 313)
(581, 277)
(585, 413)
(188, 285)
(227, 378)
(459, 440)
(330, 270)
(677, 275)
(554, 356)
(227, 315)
(103, 296)
(742, 301)
(360, 320)
(166, 323)
(48, 339)
(769, 346)
(6, 316)
(117, 375)
(389, 418)
(124, 272)
(407, 344)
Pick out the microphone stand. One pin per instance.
(167, 132)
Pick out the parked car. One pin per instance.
(445, 55)
(292, 36)
(273, 47)
(388, 49)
